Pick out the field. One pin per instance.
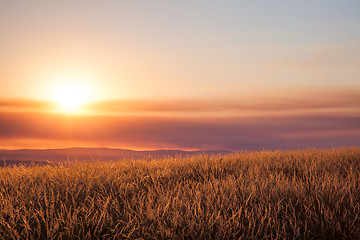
(304, 194)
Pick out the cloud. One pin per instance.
(25, 105)
(186, 132)
(285, 101)
(289, 120)
(271, 102)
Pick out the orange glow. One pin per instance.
(303, 120)
(71, 96)
(71, 92)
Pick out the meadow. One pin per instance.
(302, 194)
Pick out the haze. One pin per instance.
(186, 74)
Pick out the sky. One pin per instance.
(180, 74)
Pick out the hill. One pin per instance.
(52, 156)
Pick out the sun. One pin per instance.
(71, 96)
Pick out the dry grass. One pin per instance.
(308, 194)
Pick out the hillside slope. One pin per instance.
(69, 154)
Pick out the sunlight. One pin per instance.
(71, 96)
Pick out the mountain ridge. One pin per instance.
(58, 155)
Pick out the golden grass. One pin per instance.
(307, 194)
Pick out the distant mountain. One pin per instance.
(69, 154)
(4, 163)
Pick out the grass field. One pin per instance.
(305, 194)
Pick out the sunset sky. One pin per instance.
(179, 74)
